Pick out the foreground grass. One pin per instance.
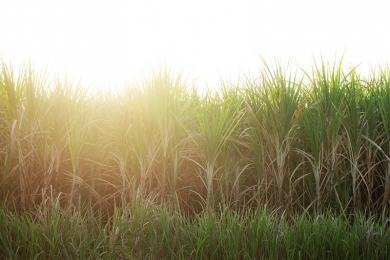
(147, 231)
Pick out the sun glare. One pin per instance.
(108, 42)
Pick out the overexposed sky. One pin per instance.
(107, 42)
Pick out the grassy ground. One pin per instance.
(147, 231)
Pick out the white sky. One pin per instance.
(107, 42)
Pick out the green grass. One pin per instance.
(147, 231)
(205, 164)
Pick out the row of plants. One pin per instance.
(294, 141)
(146, 231)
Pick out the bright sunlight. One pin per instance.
(108, 42)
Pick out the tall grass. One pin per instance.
(309, 143)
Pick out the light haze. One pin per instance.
(108, 42)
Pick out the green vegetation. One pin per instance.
(157, 170)
(147, 231)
